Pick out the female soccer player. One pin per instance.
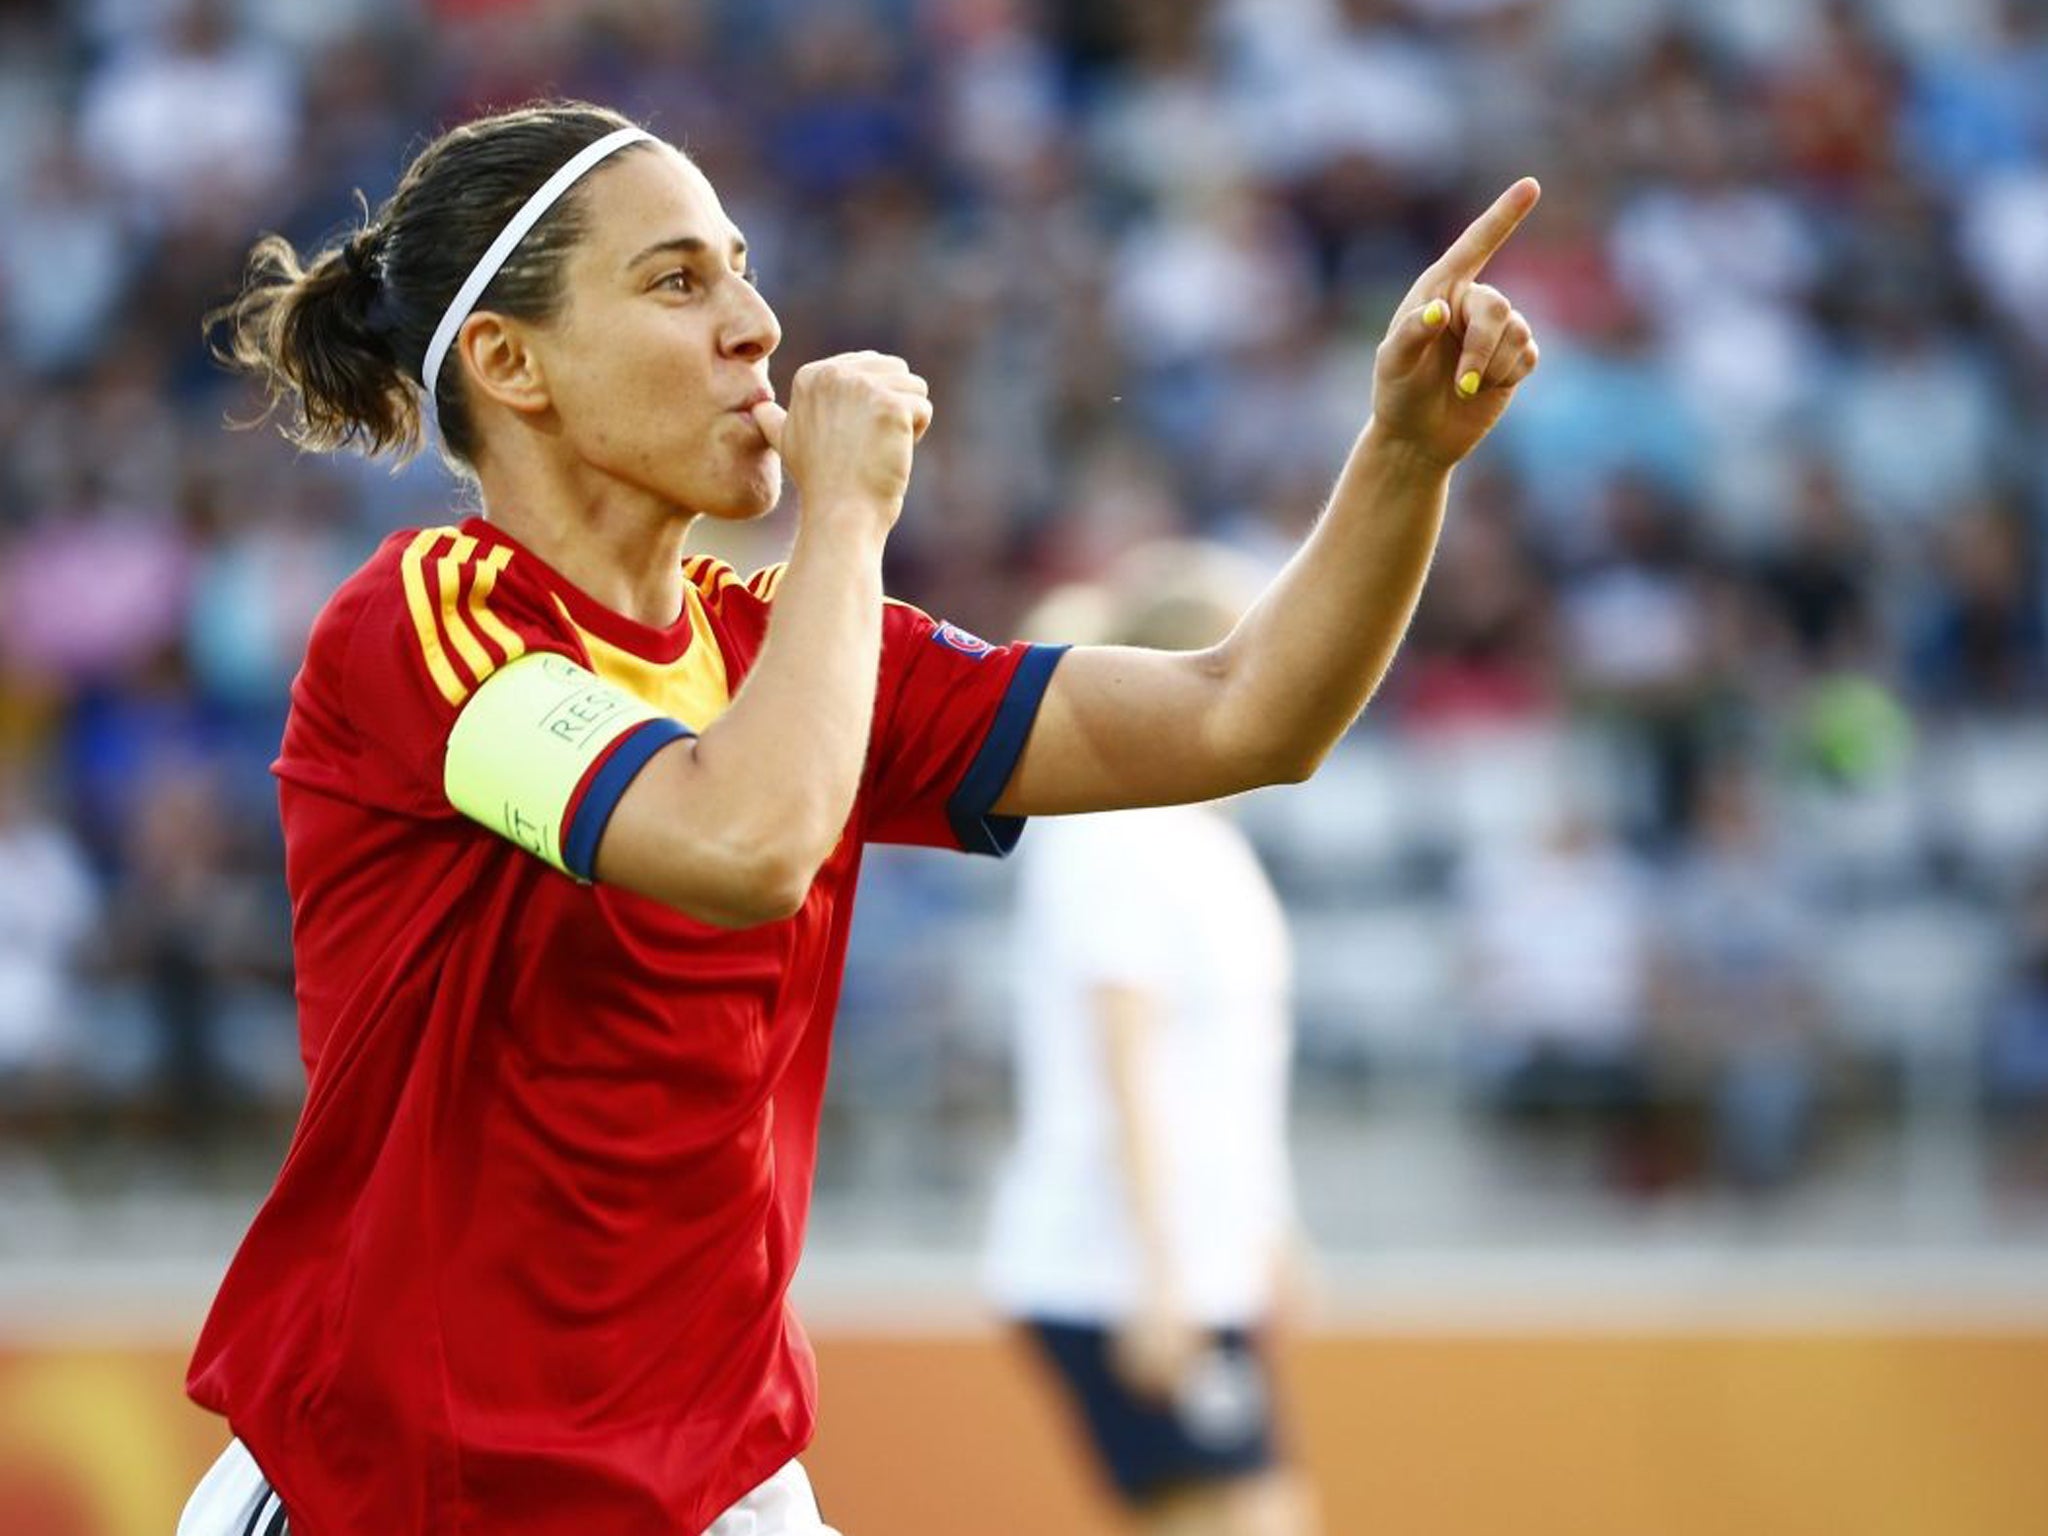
(572, 823)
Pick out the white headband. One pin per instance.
(508, 240)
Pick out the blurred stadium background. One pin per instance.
(1673, 933)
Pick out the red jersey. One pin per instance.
(524, 1267)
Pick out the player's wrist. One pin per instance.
(1396, 454)
(854, 528)
(857, 521)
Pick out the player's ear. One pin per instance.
(504, 365)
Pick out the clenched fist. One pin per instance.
(848, 434)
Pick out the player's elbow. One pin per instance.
(727, 870)
(779, 884)
(1265, 760)
(1251, 743)
(1295, 766)
(763, 885)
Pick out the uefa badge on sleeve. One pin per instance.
(955, 638)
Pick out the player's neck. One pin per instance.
(619, 546)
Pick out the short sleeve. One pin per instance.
(953, 714)
(402, 648)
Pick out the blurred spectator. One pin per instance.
(118, 739)
(1637, 626)
(1825, 98)
(1914, 419)
(1558, 966)
(1002, 105)
(1708, 239)
(1721, 264)
(2004, 237)
(48, 907)
(1482, 649)
(1158, 125)
(1193, 290)
(1977, 104)
(1816, 585)
(259, 583)
(198, 123)
(844, 120)
(1983, 644)
(64, 263)
(91, 592)
(2015, 1061)
(188, 923)
(1370, 88)
(1739, 1015)
(1605, 410)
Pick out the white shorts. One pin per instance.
(233, 1499)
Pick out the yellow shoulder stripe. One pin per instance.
(460, 633)
(764, 581)
(487, 575)
(413, 568)
(442, 609)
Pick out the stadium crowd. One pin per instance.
(1738, 637)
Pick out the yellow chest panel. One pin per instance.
(692, 689)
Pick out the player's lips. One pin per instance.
(758, 397)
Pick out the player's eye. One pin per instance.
(681, 280)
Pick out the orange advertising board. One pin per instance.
(1417, 1433)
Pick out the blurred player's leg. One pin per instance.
(1274, 1503)
(1278, 1503)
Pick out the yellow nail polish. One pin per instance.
(1468, 383)
(1435, 313)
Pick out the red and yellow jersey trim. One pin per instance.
(709, 575)
(448, 590)
(764, 581)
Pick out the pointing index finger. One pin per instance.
(1469, 253)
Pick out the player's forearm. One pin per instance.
(788, 754)
(1303, 662)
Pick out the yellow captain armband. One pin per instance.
(542, 752)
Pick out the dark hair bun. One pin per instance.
(338, 342)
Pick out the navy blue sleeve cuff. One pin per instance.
(968, 810)
(628, 756)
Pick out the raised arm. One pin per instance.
(1121, 727)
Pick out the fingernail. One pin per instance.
(1468, 383)
(1435, 313)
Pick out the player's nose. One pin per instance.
(751, 332)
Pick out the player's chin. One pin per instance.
(752, 488)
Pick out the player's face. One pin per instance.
(663, 342)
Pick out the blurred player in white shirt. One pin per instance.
(1145, 1217)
